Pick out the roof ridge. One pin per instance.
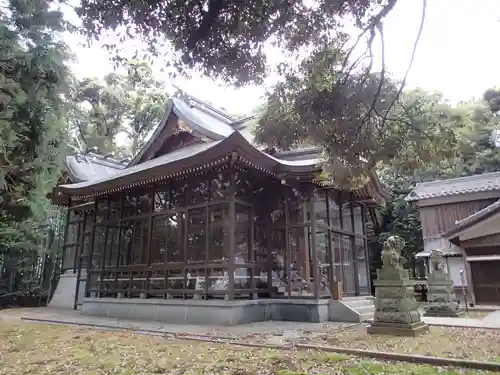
(212, 110)
(458, 178)
(99, 159)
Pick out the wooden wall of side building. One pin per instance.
(492, 240)
(439, 219)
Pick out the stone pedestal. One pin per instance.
(441, 296)
(396, 310)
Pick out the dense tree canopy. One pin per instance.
(226, 38)
(472, 151)
(127, 103)
(33, 124)
(327, 92)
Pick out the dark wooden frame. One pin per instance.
(145, 272)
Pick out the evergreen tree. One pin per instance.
(33, 120)
(130, 102)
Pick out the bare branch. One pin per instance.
(419, 34)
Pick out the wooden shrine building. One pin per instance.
(203, 226)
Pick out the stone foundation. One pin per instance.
(215, 312)
(398, 329)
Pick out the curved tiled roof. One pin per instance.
(191, 157)
(456, 186)
(204, 120)
(90, 166)
(219, 134)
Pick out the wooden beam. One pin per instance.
(314, 250)
(92, 246)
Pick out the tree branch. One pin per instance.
(209, 18)
(419, 34)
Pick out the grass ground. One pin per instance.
(27, 348)
(449, 342)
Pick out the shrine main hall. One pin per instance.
(204, 226)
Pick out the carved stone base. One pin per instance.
(398, 329)
(441, 297)
(443, 310)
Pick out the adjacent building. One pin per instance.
(461, 217)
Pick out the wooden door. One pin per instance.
(486, 281)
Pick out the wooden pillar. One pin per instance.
(288, 248)
(305, 241)
(367, 257)
(314, 252)
(231, 233)
(105, 248)
(468, 277)
(185, 225)
(251, 255)
(80, 256)
(91, 251)
(119, 251)
(150, 238)
(353, 246)
(65, 240)
(79, 235)
(331, 256)
(341, 248)
(208, 235)
(166, 294)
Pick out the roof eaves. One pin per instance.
(472, 220)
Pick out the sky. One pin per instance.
(457, 54)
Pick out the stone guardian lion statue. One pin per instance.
(391, 253)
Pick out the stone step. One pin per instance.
(359, 303)
(365, 309)
(358, 298)
(366, 316)
(364, 306)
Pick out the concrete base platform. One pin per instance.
(444, 313)
(398, 329)
(215, 312)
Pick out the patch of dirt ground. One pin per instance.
(28, 348)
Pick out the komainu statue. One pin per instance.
(436, 260)
(391, 253)
(396, 311)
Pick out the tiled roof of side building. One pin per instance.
(456, 186)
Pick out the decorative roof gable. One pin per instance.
(189, 114)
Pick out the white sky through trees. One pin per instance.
(457, 54)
